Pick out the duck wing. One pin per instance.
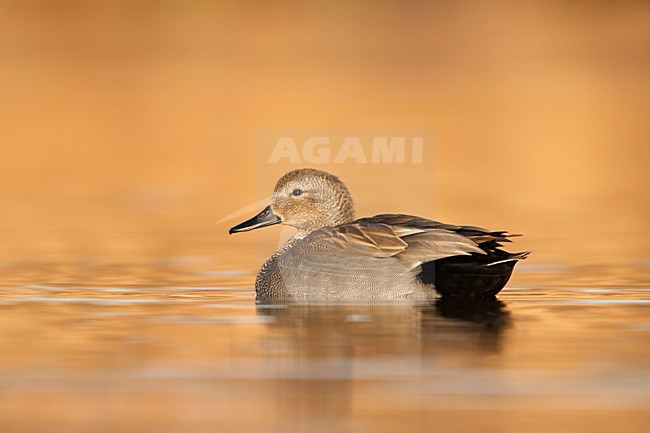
(472, 276)
(411, 244)
(487, 239)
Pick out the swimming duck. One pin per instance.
(334, 257)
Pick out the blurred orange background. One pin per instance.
(128, 128)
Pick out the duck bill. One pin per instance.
(262, 219)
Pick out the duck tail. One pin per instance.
(512, 257)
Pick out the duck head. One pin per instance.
(306, 199)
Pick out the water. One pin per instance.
(199, 356)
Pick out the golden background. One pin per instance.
(128, 128)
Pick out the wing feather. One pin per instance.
(411, 245)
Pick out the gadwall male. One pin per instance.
(335, 258)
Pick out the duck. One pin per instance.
(333, 257)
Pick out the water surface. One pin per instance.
(194, 353)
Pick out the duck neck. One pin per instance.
(290, 242)
(341, 217)
(300, 234)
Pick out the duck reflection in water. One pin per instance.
(334, 258)
(328, 350)
(389, 329)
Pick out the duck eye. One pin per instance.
(296, 192)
